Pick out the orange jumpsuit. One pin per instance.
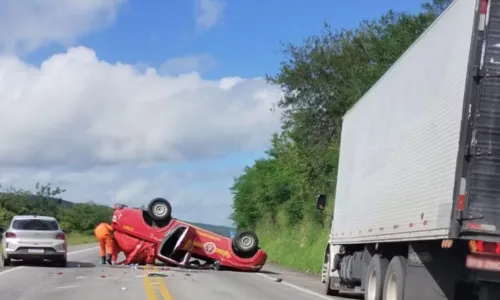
(104, 234)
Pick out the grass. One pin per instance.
(301, 247)
(76, 238)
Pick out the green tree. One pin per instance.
(321, 80)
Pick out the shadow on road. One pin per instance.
(269, 272)
(71, 264)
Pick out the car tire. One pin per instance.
(61, 263)
(246, 242)
(159, 209)
(6, 262)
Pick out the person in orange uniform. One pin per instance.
(104, 234)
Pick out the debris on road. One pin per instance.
(278, 280)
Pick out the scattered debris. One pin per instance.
(79, 277)
(187, 274)
(103, 276)
(123, 288)
(278, 280)
(59, 273)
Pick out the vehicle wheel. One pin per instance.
(5, 261)
(375, 275)
(395, 277)
(159, 209)
(246, 242)
(61, 263)
(327, 266)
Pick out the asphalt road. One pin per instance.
(85, 278)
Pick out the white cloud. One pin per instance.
(78, 111)
(208, 13)
(199, 195)
(29, 24)
(189, 63)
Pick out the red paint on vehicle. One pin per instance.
(140, 242)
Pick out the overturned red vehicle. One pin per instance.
(147, 235)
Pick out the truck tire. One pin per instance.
(328, 279)
(395, 278)
(246, 243)
(159, 209)
(374, 277)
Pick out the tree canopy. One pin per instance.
(321, 79)
(79, 217)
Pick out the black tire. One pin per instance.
(395, 278)
(6, 262)
(62, 263)
(375, 276)
(160, 210)
(328, 282)
(247, 243)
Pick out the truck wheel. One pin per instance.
(159, 209)
(375, 274)
(395, 277)
(327, 266)
(247, 243)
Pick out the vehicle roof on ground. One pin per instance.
(29, 217)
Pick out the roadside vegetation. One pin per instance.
(77, 219)
(321, 78)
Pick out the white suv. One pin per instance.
(34, 238)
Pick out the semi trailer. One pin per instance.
(417, 198)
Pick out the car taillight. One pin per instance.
(60, 236)
(10, 235)
(480, 247)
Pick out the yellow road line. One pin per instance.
(165, 294)
(149, 285)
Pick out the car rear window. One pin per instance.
(35, 224)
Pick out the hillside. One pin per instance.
(79, 217)
(321, 79)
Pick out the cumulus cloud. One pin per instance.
(199, 194)
(75, 110)
(29, 24)
(208, 13)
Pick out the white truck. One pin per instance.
(417, 199)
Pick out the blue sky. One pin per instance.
(244, 42)
(217, 40)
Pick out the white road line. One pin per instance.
(67, 287)
(293, 286)
(69, 253)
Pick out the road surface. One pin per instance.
(85, 279)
